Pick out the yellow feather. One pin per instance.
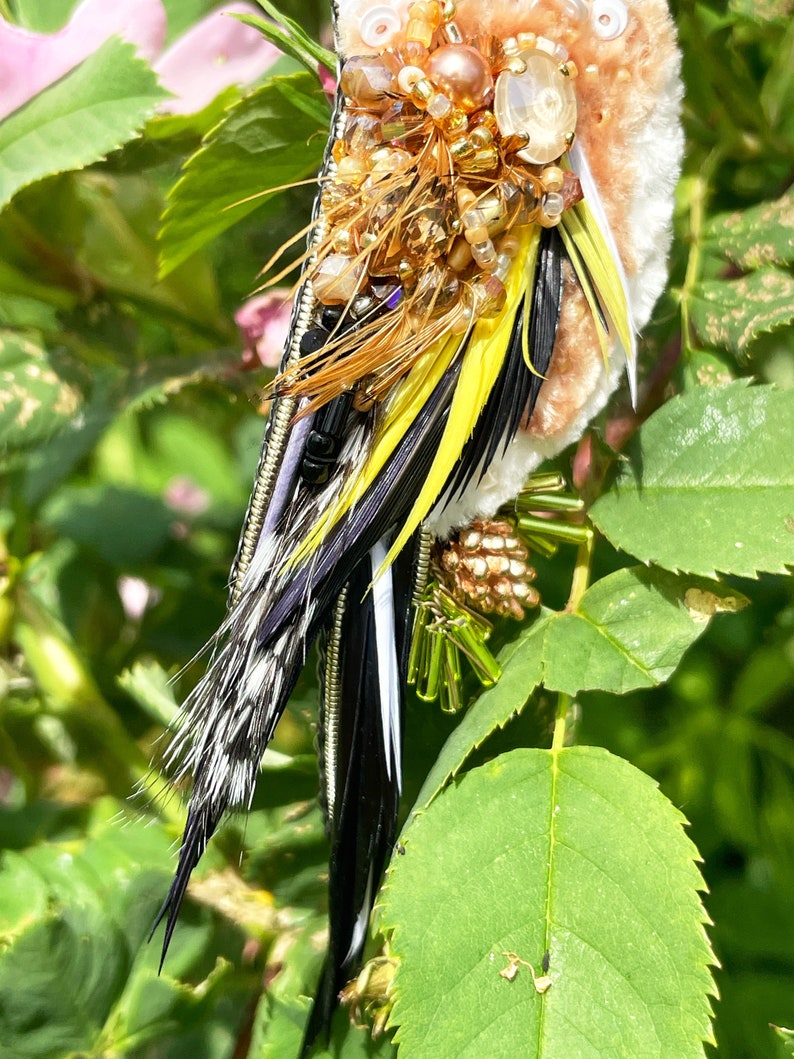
(581, 231)
(482, 362)
(403, 406)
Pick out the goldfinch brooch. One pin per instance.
(491, 231)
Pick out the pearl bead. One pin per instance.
(462, 73)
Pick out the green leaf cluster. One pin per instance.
(545, 898)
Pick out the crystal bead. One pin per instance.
(427, 230)
(436, 289)
(362, 132)
(401, 121)
(368, 82)
(540, 102)
(337, 279)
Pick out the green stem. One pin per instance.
(579, 583)
(701, 189)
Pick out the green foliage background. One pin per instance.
(129, 433)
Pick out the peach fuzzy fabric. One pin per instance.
(629, 97)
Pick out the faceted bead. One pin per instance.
(462, 74)
(495, 296)
(339, 199)
(337, 279)
(368, 82)
(436, 289)
(402, 121)
(540, 102)
(427, 231)
(362, 132)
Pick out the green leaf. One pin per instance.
(708, 484)
(91, 111)
(731, 313)
(757, 237)
(152, 688)
(574, 854)
(35, 402)
(787, 1037)
(522, 670)
(269, 139)
(43, 16)
(290, 37)
(630, 630)
(120, 525)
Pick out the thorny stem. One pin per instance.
(579, 583)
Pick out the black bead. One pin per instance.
(320, 446)
(332, 314)
(315, 473)
(313, 340)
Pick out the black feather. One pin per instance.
(516, 390)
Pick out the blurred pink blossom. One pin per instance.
(218, 51)
(185, 496)
(136, 596)
(264, 323)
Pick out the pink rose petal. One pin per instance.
(30, 62)
(264, 324)
(218, 51)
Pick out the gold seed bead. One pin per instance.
(343, 241)
(510, 46)
(422, 92)
(481, 136)
(448, 9)
(516, 65)
(483, 161)
(486, 119)
(569, 69)
(526, 41)
(452, 33)
(420, 31)
(366, 239)
(454, 123)
(461, 150)
(478, 234)
(339, 151)
(553, 178)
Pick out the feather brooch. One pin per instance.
(490, 232)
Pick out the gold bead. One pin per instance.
(461, 149)
(422, 92)
(448, 9)
(481, 136)
(527, 41)
(454, 123)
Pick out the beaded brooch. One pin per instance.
(491, 229)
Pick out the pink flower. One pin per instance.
(218, 51)
(264, 323)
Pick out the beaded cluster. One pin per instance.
(447, 146)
